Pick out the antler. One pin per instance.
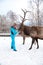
(25, 12)
(23, 18)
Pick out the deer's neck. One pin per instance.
(21, 27)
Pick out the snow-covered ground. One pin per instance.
(22, 56)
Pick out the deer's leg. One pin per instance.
(33, 40)
(37, 43)
(23, 40)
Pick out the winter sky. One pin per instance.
(14, 5)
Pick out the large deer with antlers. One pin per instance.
(34, 31)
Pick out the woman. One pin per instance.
(14, 32)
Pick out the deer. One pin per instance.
(30, 31)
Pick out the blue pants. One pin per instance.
(13, 46)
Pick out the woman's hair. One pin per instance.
(13, 27)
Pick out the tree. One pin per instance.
(35, 4)
(12, 16)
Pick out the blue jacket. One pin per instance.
(13, 31)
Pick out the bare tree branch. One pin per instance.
(21, 16)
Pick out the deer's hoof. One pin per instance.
(30, 48)
(23, 43)
(37, 47)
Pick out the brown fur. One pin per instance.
(35, 32)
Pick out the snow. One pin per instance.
(22, 56)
